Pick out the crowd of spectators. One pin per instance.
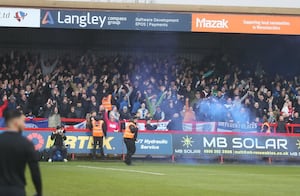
(170, 88)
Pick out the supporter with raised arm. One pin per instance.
(188, 113)
(111, 123)
(78, 80)
(152, 103)
(47, 67)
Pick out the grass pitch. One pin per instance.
(150, 179)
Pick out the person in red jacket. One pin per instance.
(111, 123)
(3, 106)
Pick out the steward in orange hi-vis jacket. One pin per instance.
(130, 136)
(98, 131)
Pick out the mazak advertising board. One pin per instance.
(246, 23)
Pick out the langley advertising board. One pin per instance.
(19, 17)
(149, 21)
(201, 145)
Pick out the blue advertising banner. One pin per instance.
(148, 21)
(154, 144)
(77, 142)
(81, 142)
(238, 145)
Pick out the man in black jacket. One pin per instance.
(281, 125)
(59, 137)
(15, 152)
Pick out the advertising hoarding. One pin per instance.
(200, 145)
(82, 142)
(19, 17)
(243, 23)
(238, 145)
(147, 21)
(154, 144)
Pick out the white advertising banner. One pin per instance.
(19, 17)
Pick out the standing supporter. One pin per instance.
(114, 113)
(93, 106)
(281, 125)
(188, 113)
(125, 114)
(265, 127)
(287, 110)
(12, 104)
(47, 108)
(136, 103)
(54, 119)
(257, 111)
(101, 111)
(152, 103)
(64, 107)
(79, 110)
(142, 112)
(123, 95)
(297, 105)
(296, 121)
(176, 122)
(125, 102)
(170, 110)
(72, 113)
(111, 123)
(4, 105)
(159, 114)
(48, 67)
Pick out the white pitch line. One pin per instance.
(268, 175)
(122, 170)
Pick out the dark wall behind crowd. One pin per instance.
(274, 51)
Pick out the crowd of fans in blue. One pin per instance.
(170, 88)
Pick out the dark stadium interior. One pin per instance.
(271, 50)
